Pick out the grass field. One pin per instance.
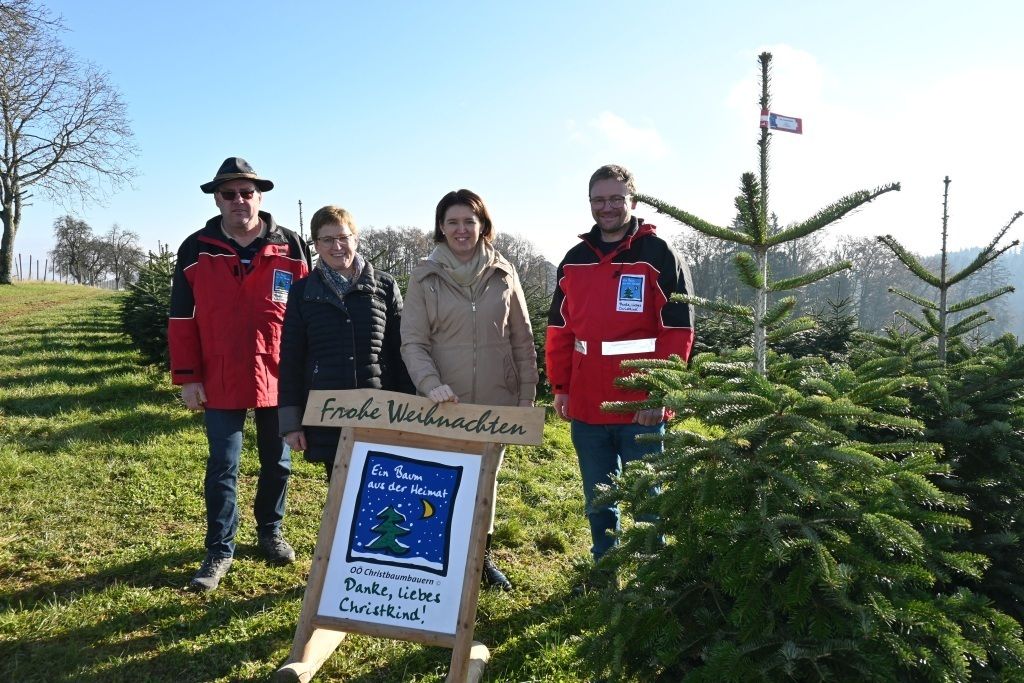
(102, 523)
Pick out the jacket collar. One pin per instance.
(212, 231)
(317, 290)
(636, 230)
(428, 267)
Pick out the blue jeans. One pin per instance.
(603, 450)
(224, 432)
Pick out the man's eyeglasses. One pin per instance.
(326, 241)
(230, 195)
(615, 201)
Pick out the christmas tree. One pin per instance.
(795, 528)
(971, 404)
(936, 313)
(389, 529)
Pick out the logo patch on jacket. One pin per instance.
(282, 283)
(631, 294)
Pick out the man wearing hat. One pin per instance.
(228, 298)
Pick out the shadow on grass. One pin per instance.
(551, 624)
(126, 420)
(119, 647)
(195, 625)
(155, 571)
(130, 402)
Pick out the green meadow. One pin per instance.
(102, 524)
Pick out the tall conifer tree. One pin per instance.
(936, 313)
(972, 405)
(794, 533)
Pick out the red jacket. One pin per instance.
(225, 324)
(608, 308)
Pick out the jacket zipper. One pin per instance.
(473, 306)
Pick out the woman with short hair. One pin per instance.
(342, 330)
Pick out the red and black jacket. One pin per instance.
(612, 307)
(225, 322)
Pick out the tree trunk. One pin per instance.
(760, 308)
(7, 214)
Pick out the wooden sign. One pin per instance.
(401, 541)
(391, 410)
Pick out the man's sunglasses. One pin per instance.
(230, 195)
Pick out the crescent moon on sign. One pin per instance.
(428, 509)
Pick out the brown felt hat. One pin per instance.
(236, 168)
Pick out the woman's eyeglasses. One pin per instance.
(326, 241)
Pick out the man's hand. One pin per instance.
(562, 406)
(296, 440)
(193, 395)
(442, 394)
(649, 417)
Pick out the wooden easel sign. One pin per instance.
(401, 540)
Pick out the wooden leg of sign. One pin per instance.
(478, 656)
(312, 646)
(469, 656)
(320, 645)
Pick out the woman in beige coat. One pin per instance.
(466, 334)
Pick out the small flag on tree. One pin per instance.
(790, 124)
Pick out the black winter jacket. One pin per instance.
(326, 345)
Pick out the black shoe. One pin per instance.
(494, 577)
(597, 579)
(276, 549)
(211, 571)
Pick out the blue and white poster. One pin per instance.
(403, 513)
(401, 543)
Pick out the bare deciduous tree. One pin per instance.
(65, 129)
(123, 254)
(535, 272)
(77, 251)
(395, 249)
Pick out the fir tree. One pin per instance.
(830, 337)
(390, 528)
(798, 533)
(935, 322)
(972, 406)
(753, 230)
(144, 309)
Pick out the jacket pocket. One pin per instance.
(511, 374)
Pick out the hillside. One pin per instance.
(102, 524)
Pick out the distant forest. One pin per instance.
(862, 291)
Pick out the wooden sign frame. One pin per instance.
(318, 635)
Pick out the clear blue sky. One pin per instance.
(383, 107)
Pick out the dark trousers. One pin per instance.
(224, 432)
(602, 451)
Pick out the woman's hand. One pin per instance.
(296, 440)
(442, 394)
